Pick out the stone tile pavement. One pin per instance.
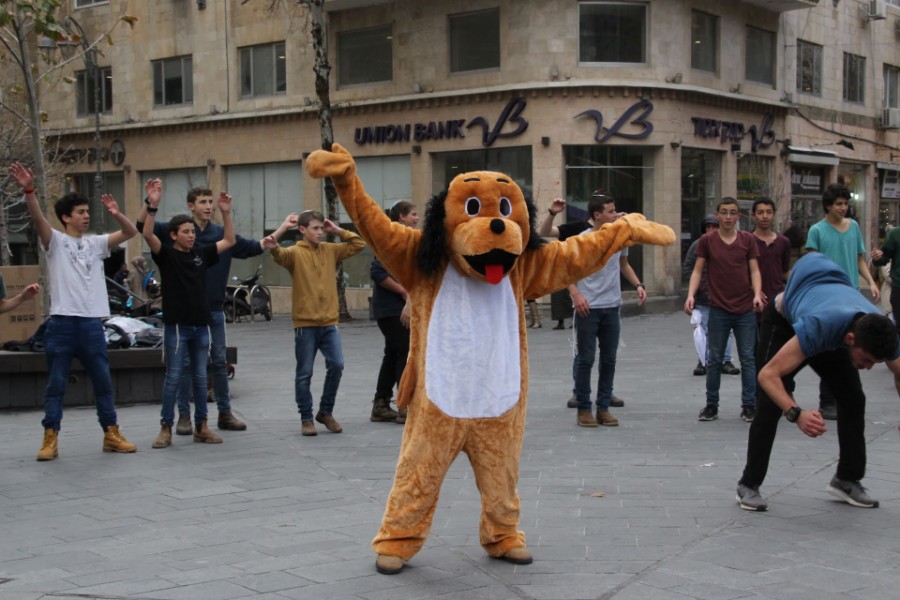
(645, 511)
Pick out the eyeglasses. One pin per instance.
(729, 213)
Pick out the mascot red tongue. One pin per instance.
(453, 350)
(493, 273)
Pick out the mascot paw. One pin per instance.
(518, 556)
(648, 232)
(388, 565)
(337, 164)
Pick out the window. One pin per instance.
(760, 56)
(475, 41)
(854, 78)
(704, 41)
(84, 92)
(809, 68)
(612, 32)
(365, 56)
(173, 81)
(263, 70)
(891, 87)
(83, 3)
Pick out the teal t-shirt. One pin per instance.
(842, 248)
(820, 304)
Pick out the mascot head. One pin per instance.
(483, 223)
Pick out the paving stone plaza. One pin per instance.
(644, 511)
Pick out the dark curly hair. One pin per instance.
(433, 249)
(876, 334)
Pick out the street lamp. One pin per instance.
(92, 73)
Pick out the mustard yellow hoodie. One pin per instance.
(314, 301)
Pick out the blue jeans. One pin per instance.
(83, 338)
(744, 327)
(703, 309)
(217, 346)
(180, 343)
(308, 341)
(600, 329)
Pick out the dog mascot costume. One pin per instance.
(466, 378)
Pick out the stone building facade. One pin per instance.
(667, 104)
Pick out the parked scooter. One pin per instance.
(122, 301)
(245, 298)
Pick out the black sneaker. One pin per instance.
(709, 413)
(748, 413)
(851, 492)
(728, 368)
(749, 499)
(699, 369)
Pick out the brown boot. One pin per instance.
(227, 422)
(49, 449)
(164, 439)
(401, 416)
(329, 422)
(114, 441)
(382, 411)
(586, 419)
(184, 426)
(203, 435)
(308, 428)
(606, 419)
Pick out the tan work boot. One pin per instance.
(203, 435)
(606, 419)
(164, 439)
(586, 419)
(535, 313)
(382, 411)
(49, 449)
(329, 422)
(401, 416)
(184, 425)
(308, 428)
(114, 441)
(227, 422)
(388, 565)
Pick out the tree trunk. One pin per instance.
(40, 176)
(322, 70)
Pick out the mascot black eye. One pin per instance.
(505, 206)
(473, 206)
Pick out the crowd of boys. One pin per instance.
(817, 316)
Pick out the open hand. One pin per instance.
(224, 202)
(24, 177)
(110, 203)
(557, 206)
(153, 190)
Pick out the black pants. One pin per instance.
(895, 305)
(396, 349)
(838, 372)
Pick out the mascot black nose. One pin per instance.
(497, 226)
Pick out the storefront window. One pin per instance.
(515, 162)
(807, 185)
(889, 208)
(617, 169)
(854, 177)
(755, 177)
(701, 184)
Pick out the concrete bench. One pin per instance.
(137, 376)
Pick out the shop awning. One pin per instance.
(811, 156)
(888, 166)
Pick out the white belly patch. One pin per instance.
(473, 356)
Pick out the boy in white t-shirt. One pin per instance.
(78, 301)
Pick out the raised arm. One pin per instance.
(127, 231)
(25, 178)
(228, 238)
(154, 196)
(547, 228)
(290, 222)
